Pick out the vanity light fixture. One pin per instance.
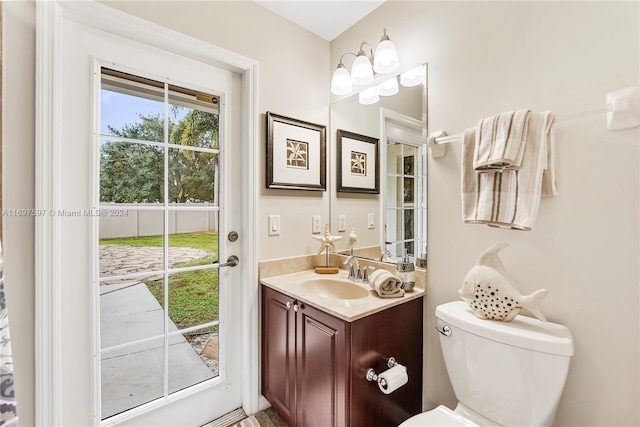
(368, 96)
(388, 87)
(414, 76)
(341, 81)
(384, 60)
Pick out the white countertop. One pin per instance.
(345, 309)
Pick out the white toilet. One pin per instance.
(504, 374)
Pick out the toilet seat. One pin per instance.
(440, 416)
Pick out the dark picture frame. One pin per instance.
(358, 163)
(296, 154)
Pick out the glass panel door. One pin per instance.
(159, 249)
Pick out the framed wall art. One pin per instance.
(296, 154)
(358, 163)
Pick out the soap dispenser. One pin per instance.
(421, 261)
(406, 272)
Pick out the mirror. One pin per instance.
(396, 218)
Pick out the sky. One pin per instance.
(117, 109)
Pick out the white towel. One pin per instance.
(511, 198)
(386, 284)
(500, 141)
(549, 186)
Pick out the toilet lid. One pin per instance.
(441, 416)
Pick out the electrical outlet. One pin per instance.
(342, 223)
(274, 225)
(371, 219)
(315, 224)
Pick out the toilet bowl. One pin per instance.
(445, 417)
(503, 373)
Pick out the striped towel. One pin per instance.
(500, 141)
(511, 198)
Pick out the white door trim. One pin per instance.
(50, 17)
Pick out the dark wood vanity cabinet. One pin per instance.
(304, 361)
(314, 364)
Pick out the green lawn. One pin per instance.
(193, 295)
(207, 240)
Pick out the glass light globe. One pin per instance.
(386, 57)
(341, 81)
(361, 71)
(388, 87)
(368, 96)
(414, 76)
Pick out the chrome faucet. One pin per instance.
(356, 273)
(352, 269)
(385, 253)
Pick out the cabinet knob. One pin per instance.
(288, 305)
(296, 307)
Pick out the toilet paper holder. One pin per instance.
(371, 373)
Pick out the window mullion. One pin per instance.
(165, 243)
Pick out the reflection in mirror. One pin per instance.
(405, 216)
(396, 218)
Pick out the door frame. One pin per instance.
(49, 164)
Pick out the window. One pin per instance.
(406, 203)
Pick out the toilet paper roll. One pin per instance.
(392, 379)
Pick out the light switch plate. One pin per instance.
(371, 218)
(342, 223)
(315, 224)
(274, 225)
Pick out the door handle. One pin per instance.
(232, 261)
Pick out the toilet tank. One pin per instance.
(512, 373)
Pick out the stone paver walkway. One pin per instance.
(118, 260)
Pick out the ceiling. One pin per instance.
(327, 19)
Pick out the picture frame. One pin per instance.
(358, 163)
(296, 154)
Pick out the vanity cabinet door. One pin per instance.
(278, 353)
(305, 362)
(322, 358)
(395, 332)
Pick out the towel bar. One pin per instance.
(625, 102)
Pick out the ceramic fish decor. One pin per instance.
(490, 293)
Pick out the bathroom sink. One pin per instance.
(331, 288)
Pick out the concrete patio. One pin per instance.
(134, 375)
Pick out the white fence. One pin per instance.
(124, 220)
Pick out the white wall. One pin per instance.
(489, 57)
(18, 92)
